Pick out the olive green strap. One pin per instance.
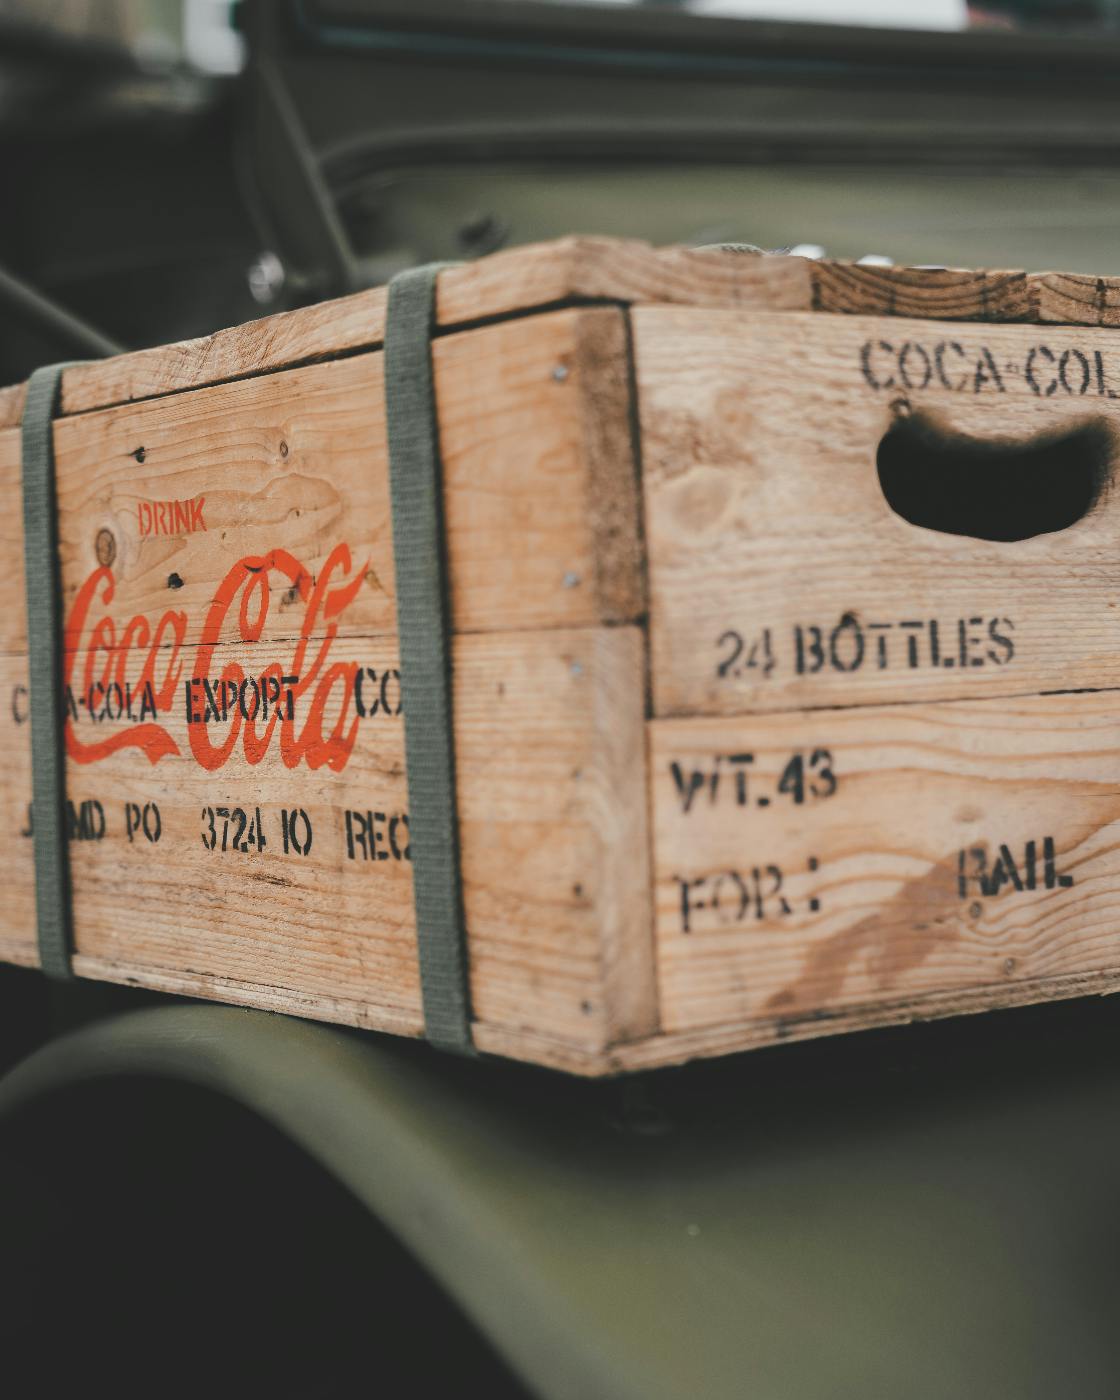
(44, 648)
(416, 493)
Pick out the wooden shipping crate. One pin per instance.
(743, 754)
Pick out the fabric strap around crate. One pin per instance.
(44, 655)
(423, 623)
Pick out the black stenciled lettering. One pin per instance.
(1003, 648)
(910, 354)
(689, 905)
(210, 697)
(943, 348)
(86, 820)
(147, 702)
(383, 695)
(734, 642)
(820, 764)
(912, 630)
(846, 645)
(1073, 381)
(392, 699)
(868, 349)
(1009, 873)
(730, 910)
(243, 690)
(1054, 880)
(20, 696)
(713, 778)
(191, 698)
(1004, 871)
(295, 827)
(1030, 864)
(365, 711)
(934, 643)
(373, 836)
(970, 640)
(142, 821)
(687, 787)
(809, 650)
(1031, 370)
(987, 372)
(792, 781)
(1103, 389)
(775, 877)
(357, 835)
(740, 762)
(881, 628)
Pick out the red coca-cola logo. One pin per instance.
(301, 705)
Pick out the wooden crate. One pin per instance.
(743, 755)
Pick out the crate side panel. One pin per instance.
(779, 577)
(273, 869)
(555, 835)
(811, 866)
(170, 495)
(212, 854)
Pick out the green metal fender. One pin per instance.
(927, 1212)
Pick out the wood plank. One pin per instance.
(779, 576)
(278, 562)
(11, 405)
(540, 488)
(549, 741)
(1071, 297)
(579, 269)
(659, 1051)
(810, 867)
(941, 293)
(513, 282)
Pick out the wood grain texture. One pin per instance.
(577, 269)
(540, 487)
(662, 1050)
(581, 269)
(942, 293)
(549, 740)
(11, 405)
(1074, 298)
(278, 562)
(959, 850)
(853, 806)
(765, 515)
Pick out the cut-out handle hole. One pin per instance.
(993, 490)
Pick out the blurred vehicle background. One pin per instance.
(173, 166)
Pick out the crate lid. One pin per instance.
(581, 270)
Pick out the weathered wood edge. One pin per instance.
(709, 1042)
(515, 282)
(653, 1052)
(574, 269)
(608, 427)
(11, 405)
